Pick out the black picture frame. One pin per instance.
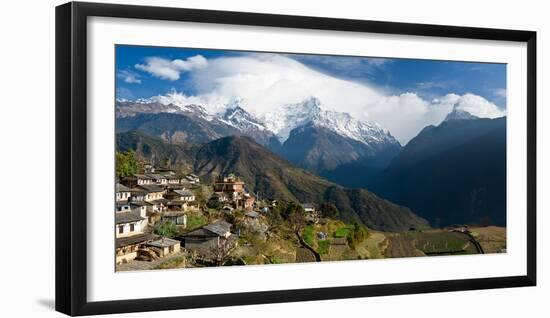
(71, 157)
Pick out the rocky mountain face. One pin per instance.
(250, 126)
(310, 137)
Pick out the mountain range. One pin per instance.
(451, 173)
(303, 133)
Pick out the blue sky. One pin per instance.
(427, 78)
(402, 95)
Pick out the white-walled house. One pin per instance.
(136, 180)
(158, 179)
(123, 193)
(129, 235)
(181, 195)
(152, 192)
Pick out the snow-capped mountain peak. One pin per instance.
(278, 123)
(459, 114)
(310, 111)
(197, 110)
(345, 125)
(290, 116)
(241, 119)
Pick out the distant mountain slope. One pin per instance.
(320, 149)
(191, 124)
(452, 173)
(273, 177)
(250, 126)
(159, 151)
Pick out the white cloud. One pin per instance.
(500, 92)
(479, 106)
(129, 77)
(171, 69)
(265, 82)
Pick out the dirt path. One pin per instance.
(304, 244)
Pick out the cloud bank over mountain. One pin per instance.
(263, 83)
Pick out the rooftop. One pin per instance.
(134, 239)
(219, 227)
(121, 188)
(159, 201)
(142, 176)
(140, 203)
(156, 176)
(184, 193)
(166, 242)
(127, 217)
(151, 188)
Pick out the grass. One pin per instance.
(172, 263)
(323, 247)
(309, 235)
(194, 221)
(341, 232)
(440, 242)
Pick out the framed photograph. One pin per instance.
(208, 158)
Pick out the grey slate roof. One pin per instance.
(151, 188)
(134, 239)
(121, 188)
(140, 203)
(142, 176)
(166, 243)
(156, 176)
(220, 227)
(201, 232)
(184, 193)
(127, 217)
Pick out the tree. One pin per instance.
(222, 253)
(214, 204)
(329, 210)
(166, 229)
(125, 163)
(295, 214)
(357, 234)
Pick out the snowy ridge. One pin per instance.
(309, 111)
(241, 119)
(459, 114)
(281, 122)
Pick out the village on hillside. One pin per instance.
(167, 219)
(161, 214)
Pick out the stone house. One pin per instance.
(129, 235)
(177, 217)
(158, 179)
(152, 192)
(207, 239)
(137, 180)
(180, 195)
(122, 193)
(165, 247)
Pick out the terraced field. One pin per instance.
(491, 238)
(431, 242)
